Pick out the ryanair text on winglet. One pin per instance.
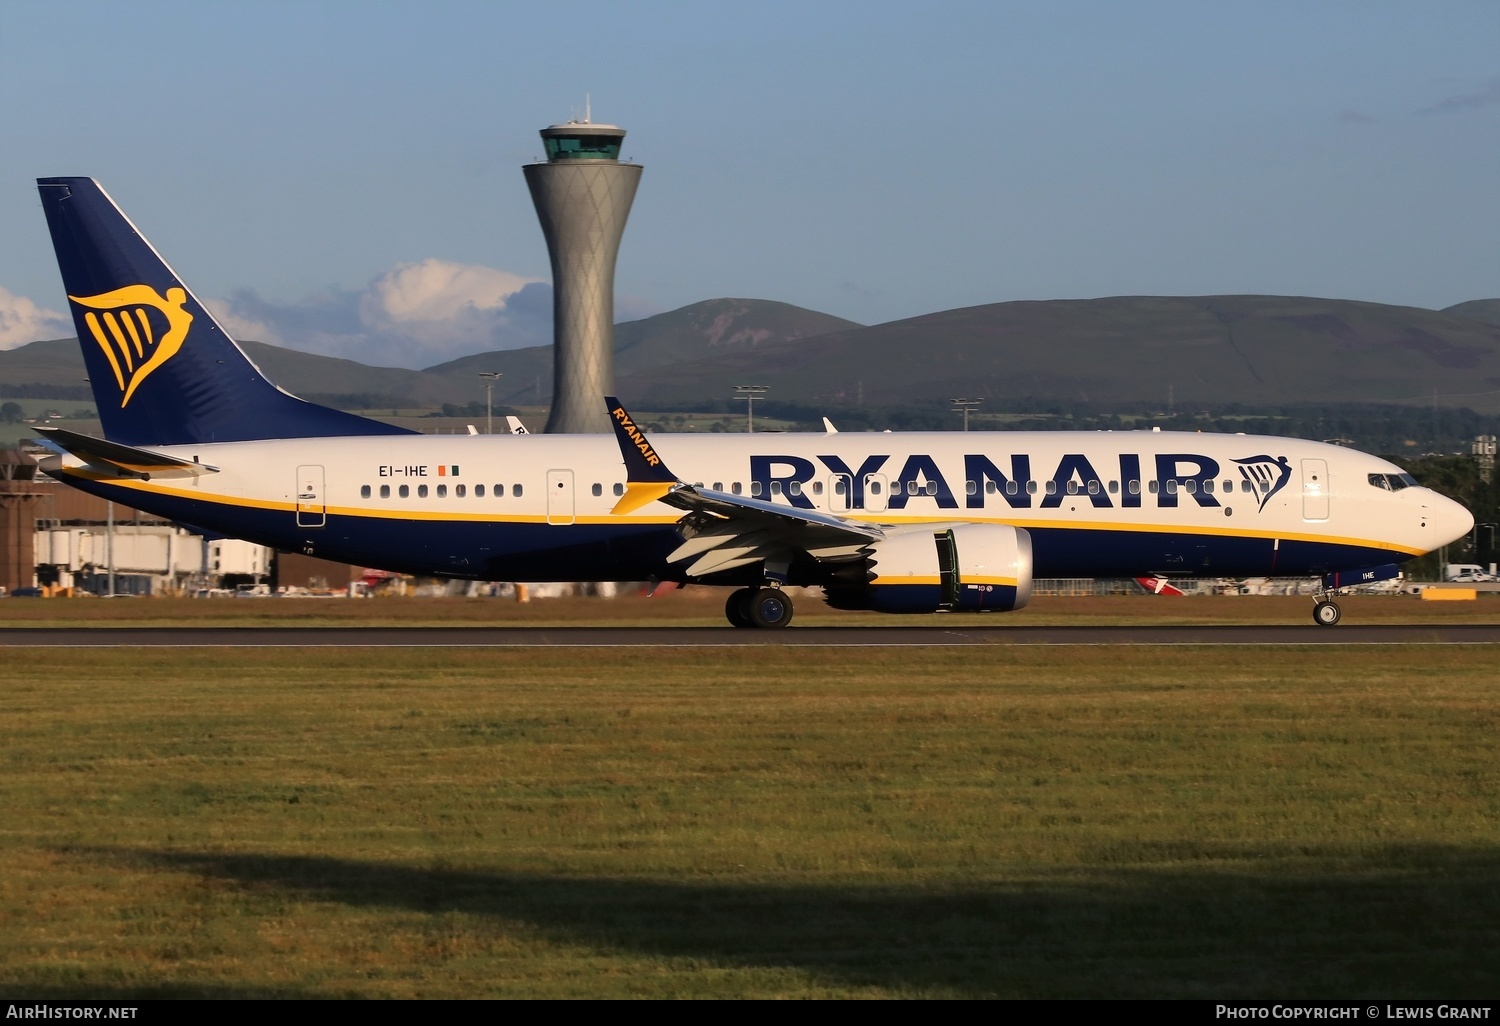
(635, 436)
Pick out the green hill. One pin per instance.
(55, 368)
(693, 333)
(1487, 310)
(1190, 352)
(1210, 350)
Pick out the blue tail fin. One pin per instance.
(162, 370)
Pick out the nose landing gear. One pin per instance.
(1326, 612)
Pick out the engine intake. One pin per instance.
(965, 567)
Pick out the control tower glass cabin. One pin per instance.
(582, 195)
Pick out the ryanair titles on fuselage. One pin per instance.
(1075, 477)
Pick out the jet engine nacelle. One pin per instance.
(970, 567)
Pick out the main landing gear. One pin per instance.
(767, 606)
(1326, 613)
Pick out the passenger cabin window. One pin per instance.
(1134, 487)
(755, 488)
(619, 489)
(404, 491)
(364, 491)
(972, 487)
(1114, 487)
(718, 486)
(421, 491)
(1030, 487)
(1051, 487)
(460, 490)
(515, 491)
(442, 491)
(598, 488)
(479, 491)
(735, 488)
(385, 491)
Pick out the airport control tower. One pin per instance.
(582, 195)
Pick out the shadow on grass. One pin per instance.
(1231, 922)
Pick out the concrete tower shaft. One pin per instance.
(582, 196)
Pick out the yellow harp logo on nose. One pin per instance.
(133, 340)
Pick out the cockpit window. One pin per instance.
(1393, 482)
(1379, 481)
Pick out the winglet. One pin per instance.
(646, 476)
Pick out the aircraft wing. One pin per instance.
(122, 460)
(723, 531)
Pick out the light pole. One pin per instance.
(964, 406)
(750, 393)
(489, 399)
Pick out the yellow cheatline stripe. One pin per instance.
(541, 518)
(1008, 582)
(1120, 527)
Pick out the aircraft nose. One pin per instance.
(1448, 520)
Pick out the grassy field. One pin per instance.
(704, 607)
(1165, 822)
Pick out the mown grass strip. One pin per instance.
(1157, 822)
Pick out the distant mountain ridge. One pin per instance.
(1487, 310)
(687, 335)
(1182, 351)
(1198, 351)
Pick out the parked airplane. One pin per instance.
(891, 522)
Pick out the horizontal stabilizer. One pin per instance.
(125, 460)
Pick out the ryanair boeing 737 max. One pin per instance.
(892, 522)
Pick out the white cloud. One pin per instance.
(414, 315)
(22, 321)
(436, 290)
(240, 326)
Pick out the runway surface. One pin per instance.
(728, 637)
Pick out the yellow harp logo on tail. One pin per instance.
(134, 341)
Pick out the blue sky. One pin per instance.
(345, 177)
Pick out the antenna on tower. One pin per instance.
(588, 110)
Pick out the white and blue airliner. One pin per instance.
(901, 523)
